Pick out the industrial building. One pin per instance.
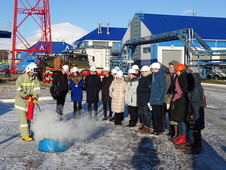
(4, 53)
(101, 44)
(57, 48)
(211, 30)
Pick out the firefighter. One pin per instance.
(28, 89)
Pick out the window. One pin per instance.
(146, 49)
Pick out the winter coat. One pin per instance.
(179, 107)
(144, 90)
(168, 79)
(131, 93)
(92, 86)
(105, 84)
(60, 81)
(76, 85)
(158, 88)
(117, 92)
(196, 98)
(26, 85)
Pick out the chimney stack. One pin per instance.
(99, 28)
(108, 28)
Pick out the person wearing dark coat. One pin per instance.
(158, 88)
(169, 78)
(76, 84)
(92, 86)
(60, 82)
(143, 97)
(197, 98)
(105, 84)
(179, 103)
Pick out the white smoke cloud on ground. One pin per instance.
(48, 126)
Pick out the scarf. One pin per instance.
(178, 91)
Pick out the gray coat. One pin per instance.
(196, 98)
(131, 93)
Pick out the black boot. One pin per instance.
(197, 145)
(174, 136)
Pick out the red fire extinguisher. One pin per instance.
(30, 110)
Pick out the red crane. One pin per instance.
(38, 12)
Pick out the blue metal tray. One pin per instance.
(50, 145)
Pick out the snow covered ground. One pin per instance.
(101, 144)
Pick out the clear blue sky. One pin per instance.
(87, 13)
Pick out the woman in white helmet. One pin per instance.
(28, 89)
(117, 91)
(60, 84)
(76, 84)
(131, 98)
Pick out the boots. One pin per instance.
(145, 130)
(181, 140)
(197, 145)
(176, 140)
(174, 137)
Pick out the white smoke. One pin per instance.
(48, 126)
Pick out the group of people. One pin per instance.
(156, 99)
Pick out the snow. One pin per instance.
(101, 144)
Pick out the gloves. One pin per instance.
(167, 106)
(28, 98)
(35, 100)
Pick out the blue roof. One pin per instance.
(57, 47)
(205, 27)
(5, 34)
(115, 34)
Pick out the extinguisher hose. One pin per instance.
(38, 107)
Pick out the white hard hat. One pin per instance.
(119, 74)
(145, 68)
(74, 69)
(117, 68)
(106, 68)
(32, 67)
(135, 67)
(114, 71)
(132, 71)
(65, 68)
(156, 65)
(93, 68)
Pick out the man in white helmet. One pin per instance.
(105, 84)
(143, 97)
(60, 84)
(137, 70)
(28, 89)
(92, 86)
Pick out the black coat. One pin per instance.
(105, 84)
(60, 82)
(196, 98)
(144, 90)
(92, 86)
(179, 107)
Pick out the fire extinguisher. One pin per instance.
(30, 110)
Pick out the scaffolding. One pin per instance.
(191, 41)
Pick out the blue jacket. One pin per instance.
(158, 88)
(76, 92)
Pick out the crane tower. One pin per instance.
(35, 13)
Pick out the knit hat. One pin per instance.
(174, 63)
